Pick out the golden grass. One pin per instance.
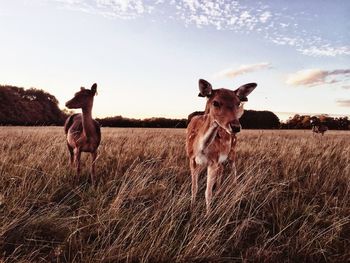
(290, 202)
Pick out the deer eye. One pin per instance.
(216, 104)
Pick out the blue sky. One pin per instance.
(147, 56)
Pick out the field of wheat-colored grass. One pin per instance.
(290, 201)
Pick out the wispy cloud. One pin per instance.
(121, 9)
(278, 26)
(325, 50)
(343, 103)
(314, 77)
(264, 17)
(220, 14)
(243, 69)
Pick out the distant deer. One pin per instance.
(211, 136)
(317, 126)
(83, 132)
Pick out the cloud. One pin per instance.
(278, 26)
(274, 24)
(326, 50)
(220, 14)
(343, 103)
(243, 69)
(264, 17)
(70, 2)
(314, 77)
(346, 87)
(121, 9)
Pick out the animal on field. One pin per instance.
(82, 131)
(211, 136)
(318, 126)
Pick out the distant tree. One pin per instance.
(343, 123)
(28, 107)
(259, 120)
(119, 121)
(253, 119)
(303, 122)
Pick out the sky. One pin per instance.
(147, 56)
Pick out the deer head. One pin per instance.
(83, 98)
(314, 121)
(225, 106)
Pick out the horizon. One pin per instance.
(147, 56)
(283, 116)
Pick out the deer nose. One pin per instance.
(235, 127)
(68, 103)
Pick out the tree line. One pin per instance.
(29, 107)
(32, 106)
(119, 121)
(250, 120)
(303, 122)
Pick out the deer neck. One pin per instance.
(209, 131)
(88, 123)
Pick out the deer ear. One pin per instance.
(205, 88)
(94, 88)
(243, 91)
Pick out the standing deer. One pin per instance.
(317, 126)
(211, 136)
(83, 132)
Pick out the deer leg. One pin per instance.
(195, 172)
(71, 155)
(232, 161)
(211, 178)
(219, 178)
(232, 157)
(77, 154)
(93, 155)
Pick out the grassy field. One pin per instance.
(290, 202)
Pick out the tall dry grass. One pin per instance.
(289, 203)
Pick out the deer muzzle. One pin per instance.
(235, 127)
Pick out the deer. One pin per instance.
(83, 133)
(317, 126)
(211, 135)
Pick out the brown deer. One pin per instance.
(211, 136)
(83, 132)
(317, 126)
